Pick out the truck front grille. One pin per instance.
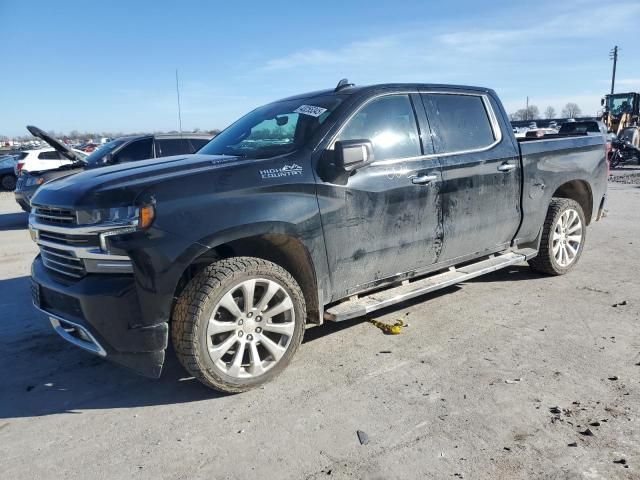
(62, 261)
(54, 216)
(70, 240)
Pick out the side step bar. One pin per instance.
(359, 306)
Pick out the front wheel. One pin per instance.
(563, 238)
(238, 323)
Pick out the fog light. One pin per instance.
(35, 234)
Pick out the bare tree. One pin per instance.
(532, 113)
(549, 112)
(571, 110)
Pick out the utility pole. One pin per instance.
(613, 55)
(526, 111)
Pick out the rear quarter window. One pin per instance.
(458, 122)
(54, 155)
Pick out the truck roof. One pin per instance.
(349, 90)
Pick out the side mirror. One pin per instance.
(107, 159)
(602, 102)
(353, 154)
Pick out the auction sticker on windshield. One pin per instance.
(310, 110)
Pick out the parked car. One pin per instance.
(319, 207)
(45, 159)
(124, 149)
(7, 173)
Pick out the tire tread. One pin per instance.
(543, 261)
(193, 301)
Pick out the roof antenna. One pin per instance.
(344, 83)
(179, 112)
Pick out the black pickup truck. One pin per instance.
(319, 207)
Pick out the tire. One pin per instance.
(615, 160)
(208, 332)
(8, 182)
(554, 256)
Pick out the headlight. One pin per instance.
(31, 181)
(124, 220)
(140, 217)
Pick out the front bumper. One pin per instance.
(101, 313)
(23, 197)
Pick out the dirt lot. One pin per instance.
(511, 376)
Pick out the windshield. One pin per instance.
(96, 156)
(274, 129)
(618, 104)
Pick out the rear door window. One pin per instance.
(136, 150)
(172, 146)
(389, 122)
(458, 122)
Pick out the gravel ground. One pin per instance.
(633, 179)
(511, 376)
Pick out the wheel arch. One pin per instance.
(283, 249)
(579, 191)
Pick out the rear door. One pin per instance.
(384, 219)
(481, 172)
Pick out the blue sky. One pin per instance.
(111, 65)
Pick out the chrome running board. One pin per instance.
(362, 305)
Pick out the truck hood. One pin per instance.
(121, 184)
(55, 144)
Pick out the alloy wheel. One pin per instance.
(251, 328)
(567, 237)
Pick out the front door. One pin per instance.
(384, 219)
(481, 173)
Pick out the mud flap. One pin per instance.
(147, 364)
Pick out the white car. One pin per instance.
(43, 159)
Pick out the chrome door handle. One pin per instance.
(506, 167)
(423, 179)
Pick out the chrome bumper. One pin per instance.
(74, 333)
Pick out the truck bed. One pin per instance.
(552, 165)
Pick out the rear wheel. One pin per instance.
(238, 323)
(563, 238)
(615, 159)
(8, 182)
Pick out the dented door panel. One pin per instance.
(380, 224)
